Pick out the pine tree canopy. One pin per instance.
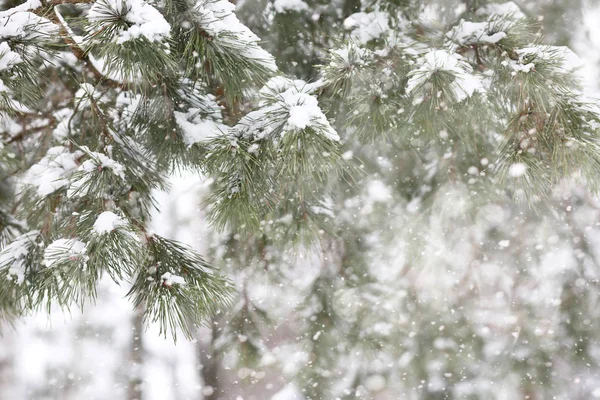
(101, 100)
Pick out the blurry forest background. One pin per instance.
(296, 331)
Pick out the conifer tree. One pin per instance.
(428, 167)
(128, 92)
(476, 148)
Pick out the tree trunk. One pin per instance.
(136, 357)
(209, 367)
(6, 375)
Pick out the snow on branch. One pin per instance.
(286, 105)
(142, 19)
(464, 83)
(217, 19)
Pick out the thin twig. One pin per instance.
(80, 53)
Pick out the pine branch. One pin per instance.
(80, 53)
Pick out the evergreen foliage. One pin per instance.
(137, 90)
(475, 145)
(418, 157)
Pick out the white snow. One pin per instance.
(26, 6)
(3, 87)
(347, 155)
(468, 33)
(216, 17)
(101, 161)
(350, 55)
(52, 172)
(63, 116)
(62, 250)
(569, 61)
(586, 41)
(378, 191)
(319, 210)
(203, 120)
(84, 95)
(25, 25)
(146, 20)
(517, 170)
(500, 18)
(107, 222)
(518, 67)
(96, 162)
(279, 84)
(282, 6)
(253, 148)
(13, 256)
(442, 279)
(286, 104)
(170, 279)
(8, 58)
(304, 111)
(375, 383)
(9, 126)
(566, 60)
(197, 129)
(465, 83)
(505, 10)
(289, 392)
(368, 26)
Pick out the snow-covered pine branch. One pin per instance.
(273, 157)
(484, 86)
(129, 91)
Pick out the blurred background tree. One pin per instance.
(421, 280)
